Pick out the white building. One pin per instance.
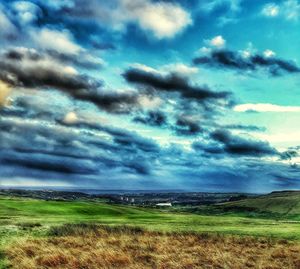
(164, 204)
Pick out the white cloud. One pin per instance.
(289, 9)
(270, 10)
(217, 41)
(232, 7)
(209, 6)
(180, 68)
(163, 19)
(204, 50)
(265, 107)
(61, 41)
(147, 102)
(177, 68)
(26, 12)
(269, 53)
(144, 68)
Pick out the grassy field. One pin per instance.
(94, 247)
(268, 216)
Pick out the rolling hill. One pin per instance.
(276, 205)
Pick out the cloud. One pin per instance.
(212, 5)
(114, 102)
(269, 53)
(237, 145)
(22, 67)
(62, 41)
(172, 83)
(163, 19)
(289, 10)
(224, 11)
(265, 108)
(160, 18)
(152, 118)
(180, 69)
(217, 41)
(100, 155)
(103, 46)
(187, 125)
(27, 68)
(26, 12)
(234, 60)
(83, 59)
(46, 162)
(77, 147)
(270, 10)
(248, 128)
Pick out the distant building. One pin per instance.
(164, 204)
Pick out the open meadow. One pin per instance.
(31, 229)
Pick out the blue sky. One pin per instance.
(150, 94)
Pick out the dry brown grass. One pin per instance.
(93, 247)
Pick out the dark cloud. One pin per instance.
(70, 149)
(48, 162)
(111, 102)
(187, 126)
(234, 60)
(172, 83)
(237, 145)
(183, 125)
(82, 60)
(152, 118)
(129, 140)
(29, 69)
(103, 46)
(245, 127)
(289, 154)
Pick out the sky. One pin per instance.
(150, 94)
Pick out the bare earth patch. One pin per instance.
(94, 247)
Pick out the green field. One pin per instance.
(275, 215)
(276, 205)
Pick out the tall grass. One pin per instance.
(89, 246)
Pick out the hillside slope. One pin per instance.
(285, 204)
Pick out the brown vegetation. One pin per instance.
(94, 247)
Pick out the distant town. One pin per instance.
(153, 199)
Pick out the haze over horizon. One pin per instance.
(150, 94)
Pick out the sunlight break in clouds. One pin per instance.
(4, 93)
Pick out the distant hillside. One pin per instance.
(284, 204)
